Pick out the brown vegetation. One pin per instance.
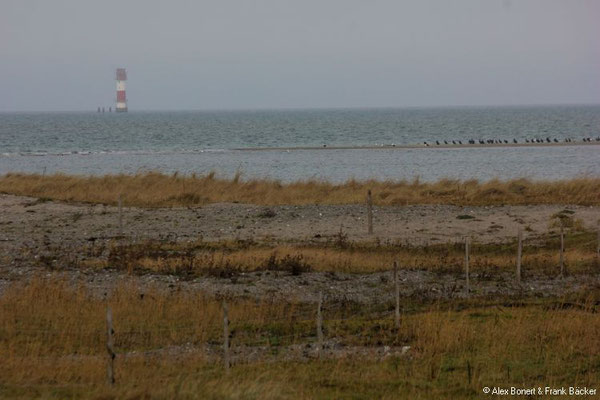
(159, 190)
(169, 339)
(228, 258)
(52, 339)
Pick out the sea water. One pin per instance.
(227, 141)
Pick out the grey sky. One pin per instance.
(61, 54)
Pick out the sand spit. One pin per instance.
(429, 145)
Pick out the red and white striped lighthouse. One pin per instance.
(121, 98)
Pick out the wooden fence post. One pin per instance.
(320, 325)
(562, 250)
(467, 249)
(469, 372)
(369, 212)
(519, 254)
(120, 215)
(397, 295)
(110, 342)
(598, 243)
(225, 336)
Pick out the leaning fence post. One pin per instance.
(120, 215)
(562, 250)
(369, 212)
(519, 254)
(320, 325)
(467, 249)
(225, 336)
(110, 372)
(397, 295)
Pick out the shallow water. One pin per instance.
(92, 143)
(336, 165)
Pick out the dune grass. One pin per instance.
(229, 258)
(52, 346)
(159, 190)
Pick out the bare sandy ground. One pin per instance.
(27, 223)
(25, 220)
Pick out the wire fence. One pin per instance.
(268, 329)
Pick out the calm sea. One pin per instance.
(197, 141)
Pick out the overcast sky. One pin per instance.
(225, 54)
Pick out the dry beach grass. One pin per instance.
(53, 347)
(159, 190)
(225, 258)
(63, 265)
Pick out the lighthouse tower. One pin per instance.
(121, 98)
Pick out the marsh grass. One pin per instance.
(52, 346)
(159, 190)
(226, 259)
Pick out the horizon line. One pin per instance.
(310, 108)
